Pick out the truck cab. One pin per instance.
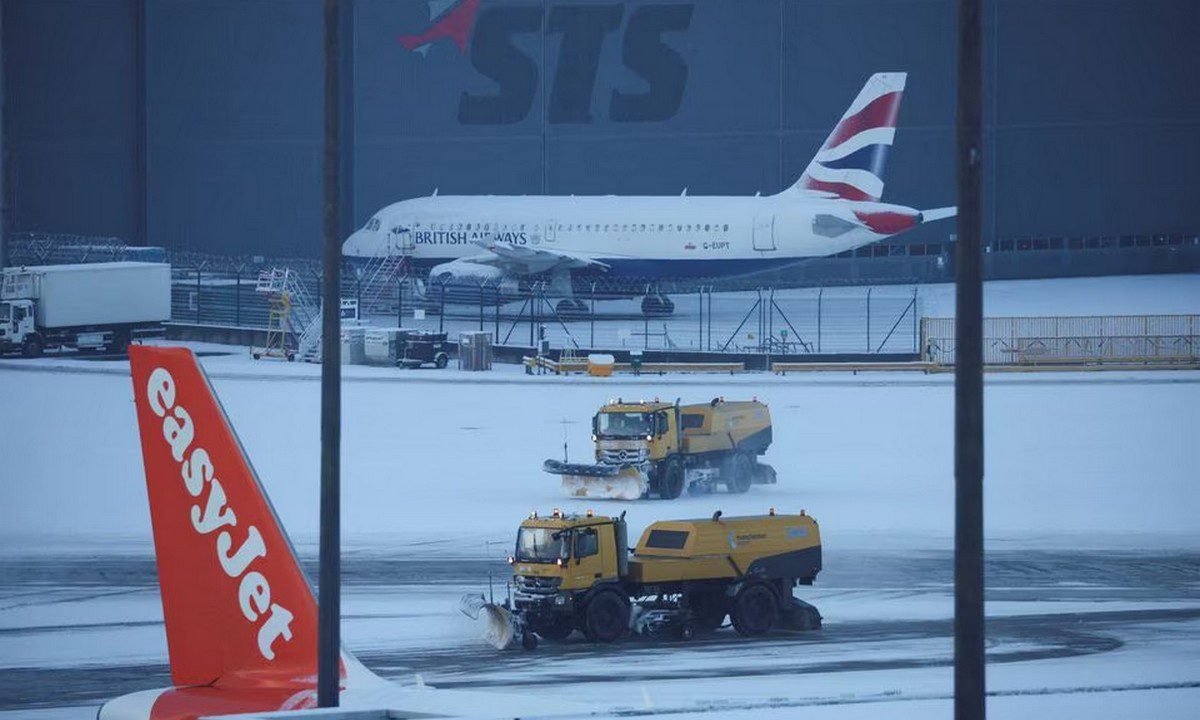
(16, 324)
(635, 432)
(565, 553)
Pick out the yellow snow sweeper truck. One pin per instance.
(575, 573)
(657, 448)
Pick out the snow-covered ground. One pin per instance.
(1091, 485)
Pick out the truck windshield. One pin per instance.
(542, 544)
(624, 424)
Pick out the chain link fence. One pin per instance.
(1133, 339)
(777, 321)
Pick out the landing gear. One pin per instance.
(571, 308)
(657, 305)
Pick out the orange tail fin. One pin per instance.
(237, 606)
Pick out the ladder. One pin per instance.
(378, 277)
(273, 284)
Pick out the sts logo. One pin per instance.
(485, 35)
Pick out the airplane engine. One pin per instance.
(463, 280)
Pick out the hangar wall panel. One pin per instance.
(1093, 108)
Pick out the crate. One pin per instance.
(475, 351)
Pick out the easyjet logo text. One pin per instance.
(211, 514)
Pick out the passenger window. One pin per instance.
(586, 544)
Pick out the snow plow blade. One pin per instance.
(605, 482)
(629, 484)
(498, 624)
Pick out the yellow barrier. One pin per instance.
(580, 365)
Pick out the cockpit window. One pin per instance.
(372, 224)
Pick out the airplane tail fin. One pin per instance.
(236, 604)
(851, 163)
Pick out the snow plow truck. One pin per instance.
(656, 448)
(575, 573)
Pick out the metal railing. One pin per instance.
(1130, 339)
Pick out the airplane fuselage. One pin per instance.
(633, 237)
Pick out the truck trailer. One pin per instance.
(658, 448)
(575, 573)
(87, 306)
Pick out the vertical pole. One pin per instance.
(916, 344)
(532, 320)
(497, 315)
(592, 343)
(480, 307)
(237, 297)
(820, 296)
(400, 302)
(969, 684)
(140, 181)
(869, 318)
(709, 346)
(700, 319)
(442, 310)
(198, 294)
(330, 574)
(3, 153)
(645, 331)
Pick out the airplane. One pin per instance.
(629, 243)
(239, 613)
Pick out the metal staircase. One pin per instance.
(306, 320)
(378, 282)
(292, 315)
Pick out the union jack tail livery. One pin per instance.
(850, 164)
(450, 19)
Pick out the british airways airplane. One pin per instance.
(630, 242)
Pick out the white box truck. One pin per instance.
(89, 306)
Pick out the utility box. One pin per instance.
(600, 365)
(381, 346)
(475, 351)
(354, 346)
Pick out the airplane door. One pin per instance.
(764, 233)
(551, 233)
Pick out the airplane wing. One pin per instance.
(938, 213)
(525, 259)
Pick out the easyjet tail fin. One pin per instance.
(851, 163)
(237, 606)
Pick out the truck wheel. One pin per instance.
(671, 480)
(32, 348)
(559, 628)
(741, 473)
(605, 617)
(529, 641)
(754, 610)
(441, 360)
